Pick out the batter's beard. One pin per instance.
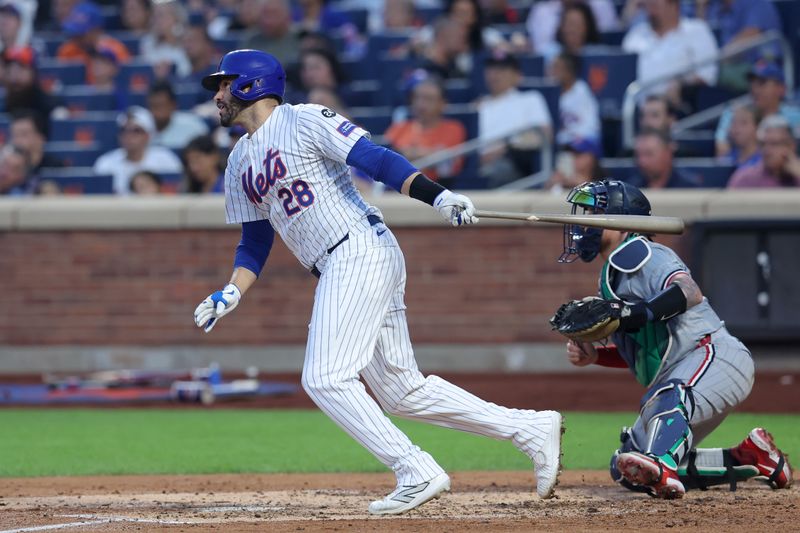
(231, 110)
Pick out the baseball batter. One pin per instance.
(290, 175)
(674, 343)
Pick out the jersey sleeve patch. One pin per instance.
(631, 256)
(346, 128)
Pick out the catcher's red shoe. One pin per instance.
(759, 450)
(646, 471)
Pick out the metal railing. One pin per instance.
(473, 145)
(635, 89)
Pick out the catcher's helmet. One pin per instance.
(611, 197)
(254, 75)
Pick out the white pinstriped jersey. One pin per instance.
(292, 172)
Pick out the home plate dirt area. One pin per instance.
(484, 501)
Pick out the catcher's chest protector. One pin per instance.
(644, 350)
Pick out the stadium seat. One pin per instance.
(712, 175)
(131, 41)
(136, 75)
(361, 93)
(375, 120)
(78, 180)
(92, 127)
(608, 72)
(171, 182)
(383, 43)
(54, 75)
(82, 98)
(74, 154)
(459, 91)
(613, 38)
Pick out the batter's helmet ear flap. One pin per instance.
(254, 75)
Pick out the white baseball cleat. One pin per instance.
(547, 460)
(408, 497)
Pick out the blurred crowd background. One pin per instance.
(105, 97)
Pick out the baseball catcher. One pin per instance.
(652, 318)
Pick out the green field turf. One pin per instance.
(46, 442)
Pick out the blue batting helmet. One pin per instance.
(611, 197)
(254, 75)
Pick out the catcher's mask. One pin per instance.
(611, 197)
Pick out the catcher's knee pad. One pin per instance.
(665, 414)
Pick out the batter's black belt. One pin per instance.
(373, 220)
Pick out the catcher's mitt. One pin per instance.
(588, 320)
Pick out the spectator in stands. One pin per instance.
(328, 98)
(23, 90)
(105, 69)
(84, 26)
(146, 183)
(319, 68)
(48, 187)
(577, 105)
(428, 131)
(743, 134)
(15, 176)
(246, 17)
(481, 37)
(577, 162)
(203, 169)
(780, 166)
(670, 45)
(162, 45)
(275, 33)
(738, 21)
(444, 55)
(29, 133)
(543, 19)
(173, 128)
(767, 90)
(11, 35)
(461, 17)
(657, 113)
(317, 15)
(576, 30)
(200, 51)
(506, 111)
(654, 162)
(397, 15)
(137, 126)
(135, 15)
(59, 13)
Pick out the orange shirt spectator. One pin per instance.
(428, 131)
(85, 28)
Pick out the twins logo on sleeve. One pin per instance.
(293, 171)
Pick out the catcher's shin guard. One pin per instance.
(665, 414)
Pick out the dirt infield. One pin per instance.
(484, 501)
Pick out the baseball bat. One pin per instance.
(637, 223)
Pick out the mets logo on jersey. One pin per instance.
(256, 188)
(293, 198)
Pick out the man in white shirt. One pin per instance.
(670, 45)
(577, 105)
(136, 128)
(174, 128)
(503, 112)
